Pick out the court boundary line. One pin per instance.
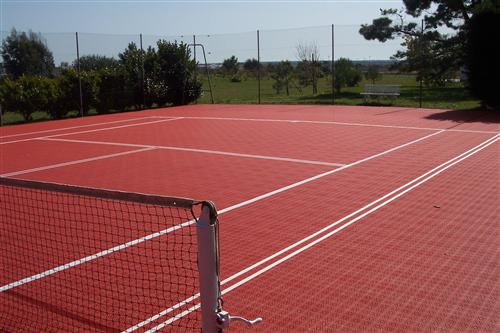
(225, 210)
(202, 151)
(74, 127)
(91, 131)
(74, 162)
(393, 195)
(332, 123)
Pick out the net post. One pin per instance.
(208, 266)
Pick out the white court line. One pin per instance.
(225, 210)
(203, 151)
(90, 131)
(74, 127)
(402, 190)
(332, 123)
(85, 160)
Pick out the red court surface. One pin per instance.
(332, 218)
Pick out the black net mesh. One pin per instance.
(74, 262)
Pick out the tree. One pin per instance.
(483, 57)
(252, 66)
(346, 74)
(175, 71)
(26, 54)
(372, 73)
(131, 60)
(69, 88)
(430, 52)
(309, 67)
(112, 93)
(95, 62)
(27, 94)
(230, 66)
(282, 74)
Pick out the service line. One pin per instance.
(74, 127)
(85, 160)
(203, 151)
(91, 131)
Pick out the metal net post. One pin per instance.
(208, 266)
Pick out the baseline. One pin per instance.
(331, 123)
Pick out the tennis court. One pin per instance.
(331, 218)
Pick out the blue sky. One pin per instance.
(58, 20)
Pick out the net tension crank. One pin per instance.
(224, 319)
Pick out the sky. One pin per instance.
(224, 27)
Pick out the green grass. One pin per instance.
(454, 96)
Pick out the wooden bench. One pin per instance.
(381, 90)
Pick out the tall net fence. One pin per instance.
(296, 65)
(230, 83)
(80, 259)
(323, 64)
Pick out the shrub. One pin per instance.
(236, 78)
(70, 91)
(112, 92)
(346, 74)
(28, 94)
(174, 70)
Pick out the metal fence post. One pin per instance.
(194, 57)
(422, 65)
(142, 73)
(79, 74)
(258, 63)
(333, 64)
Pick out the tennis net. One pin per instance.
(82, 259)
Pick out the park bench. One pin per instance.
(380, 90)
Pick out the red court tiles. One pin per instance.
(435, 271)
(305, 141)
(282, 177)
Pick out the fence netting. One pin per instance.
(100, 73)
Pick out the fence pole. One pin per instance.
(421, 64)
(1, 116)
(142, 73)
(79, 76)
(258, 62)
(313, 64)
(332, 65)
(194, 51)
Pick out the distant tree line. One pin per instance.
(304, 73)
(161, 75)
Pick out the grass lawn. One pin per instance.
(454, 96)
